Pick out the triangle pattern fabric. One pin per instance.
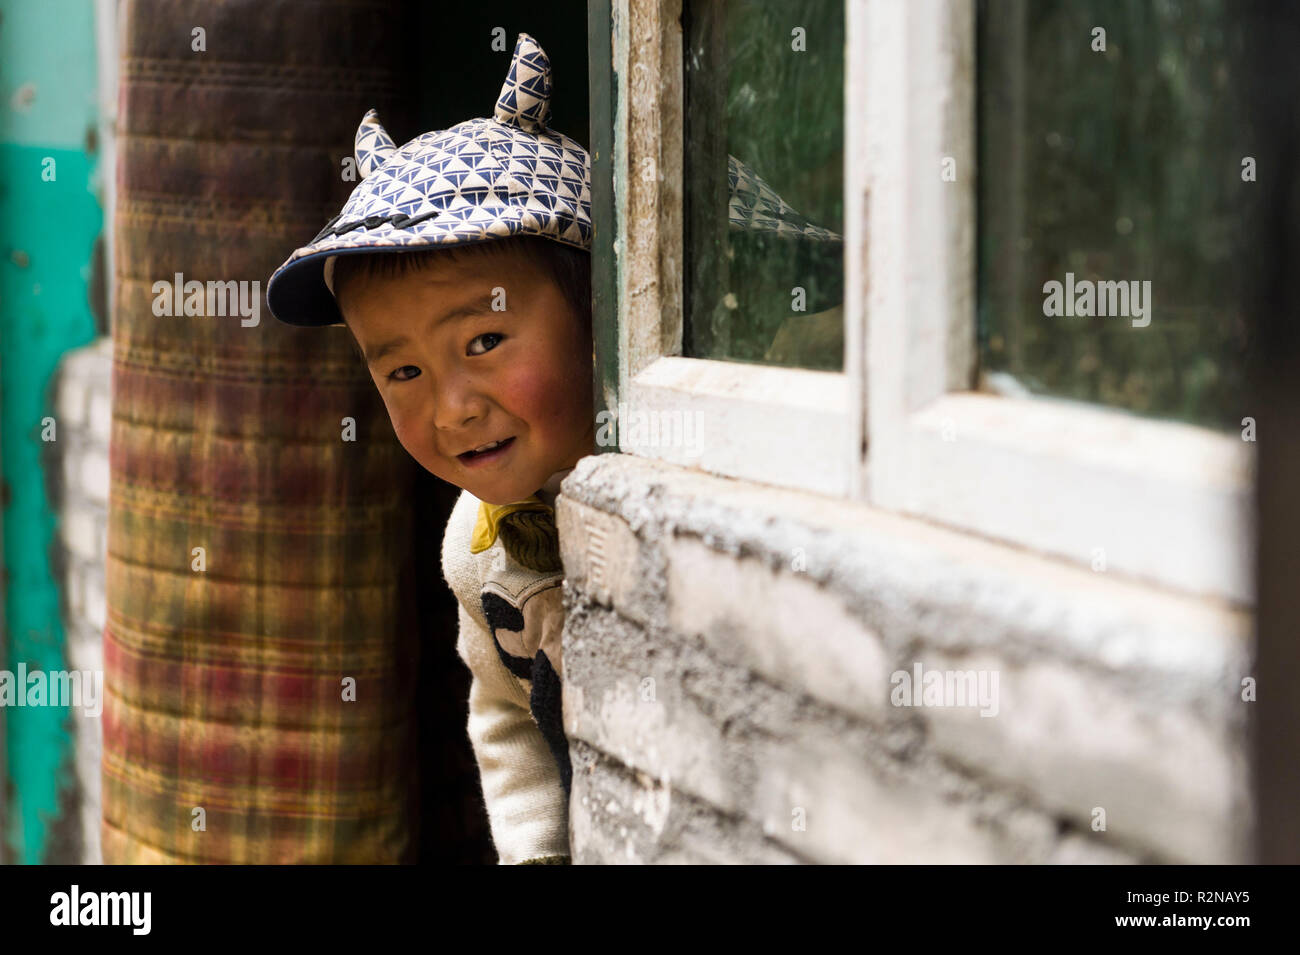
(483, 179)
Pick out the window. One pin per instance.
(1114, 166)
(955, 400)
(764, 182)
(742, 407)
(1159, 500)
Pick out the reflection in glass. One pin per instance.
(764, 154)
(1122, 164)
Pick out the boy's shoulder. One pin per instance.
(459, 567)
(460, 527)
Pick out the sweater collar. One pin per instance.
(488, 522)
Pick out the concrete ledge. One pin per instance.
(916, 584)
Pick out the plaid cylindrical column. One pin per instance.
(263, 610)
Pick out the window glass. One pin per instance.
(1116, 165)
(763, 196)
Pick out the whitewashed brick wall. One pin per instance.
(724, 706)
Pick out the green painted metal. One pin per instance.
(49, 220)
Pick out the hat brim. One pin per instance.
(298, 295)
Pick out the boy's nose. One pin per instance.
(454, 426)
(456, 409)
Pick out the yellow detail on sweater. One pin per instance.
(488, 523)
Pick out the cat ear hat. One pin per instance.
(480, 180)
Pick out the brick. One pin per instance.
(99, 413)
(74, 589)
(85, 645)
(94, 474)
(96, 608)
(1077, 740)
(625, 817)
(603, 558)
(1082, 850)
(855, 812)
(101, 535)
(79, 533)
(71, 466)
(781, 625)
(70, 404)
(758, 753)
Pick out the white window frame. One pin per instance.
(1164, 502)
(784, 426)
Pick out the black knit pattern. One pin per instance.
(546, 702)
(531, 538)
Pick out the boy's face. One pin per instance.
(460, 374)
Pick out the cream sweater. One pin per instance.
(526, 803)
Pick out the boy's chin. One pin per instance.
(496, 495)
(497, 501)
(505, 486)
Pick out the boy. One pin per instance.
(461, 266)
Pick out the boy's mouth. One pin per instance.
(494, 451)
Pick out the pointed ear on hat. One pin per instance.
(373, 144)
(525, 100)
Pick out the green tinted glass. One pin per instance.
(1114, 165)
(765, 85)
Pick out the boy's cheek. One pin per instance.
(408, 436)
(527, 394)
(542, 392)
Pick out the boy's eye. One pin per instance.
(490, 341)
(494, 337)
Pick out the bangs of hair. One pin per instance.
(569, 267)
